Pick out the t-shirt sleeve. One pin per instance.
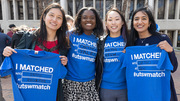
(6, 67)
(165, 62)
(63, 71)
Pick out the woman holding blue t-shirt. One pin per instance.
(112, 77)
(143, 33)
(79, 84)
(50, 37)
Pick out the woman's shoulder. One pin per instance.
(160, 36)
(163, 37)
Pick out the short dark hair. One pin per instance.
(12, 25)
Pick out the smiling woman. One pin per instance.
(144, 33)
(53, 20)
(50, 37)
(112, 76)
(79, 84)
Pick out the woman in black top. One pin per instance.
(143, 33)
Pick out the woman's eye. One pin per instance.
(59, 17)
(84, 17)
(92, 18)
(109, 19)
(136, 19)
(144, 19)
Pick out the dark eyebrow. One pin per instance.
(142, 16)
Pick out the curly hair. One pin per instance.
(98, 30)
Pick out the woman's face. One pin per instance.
(53, 19)
(88, 21)
(114, 22)
(141, 22)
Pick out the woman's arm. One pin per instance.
(167, 46)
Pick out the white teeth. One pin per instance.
(89, 24)
(53, 24)
(113, 27)
(139, 26)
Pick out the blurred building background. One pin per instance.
(28, 12)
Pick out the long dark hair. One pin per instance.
(134, 34)
(60, 33)
(124, 31)
(98, 30)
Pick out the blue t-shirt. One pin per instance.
(148, 70)
(34, 76)
(81, 57)
(113, 75)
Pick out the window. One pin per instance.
(79, 5)
(38, 10)
(0, 11)
(161, 8)
(99, 7)
(89, 3)
(30, 9)
(109, 5)
(119, 4)
(140, 3)
(70, 7)
(179, 12)
(178, 42)
(172, 4)
(170, 35)
(11, 10)
(131, 9)
(20, 10)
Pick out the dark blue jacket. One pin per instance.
(5, 40)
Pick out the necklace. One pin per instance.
(142, 40)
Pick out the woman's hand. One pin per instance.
(166, 46)
(8, 51)
(124, 51)
(64, 60)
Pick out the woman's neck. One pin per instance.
(144, 35)
(114, 35)
(51, 35)
(88, 32)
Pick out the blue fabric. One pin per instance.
(34, 76)
(113, 74)
(148, 70)
(81, 57)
